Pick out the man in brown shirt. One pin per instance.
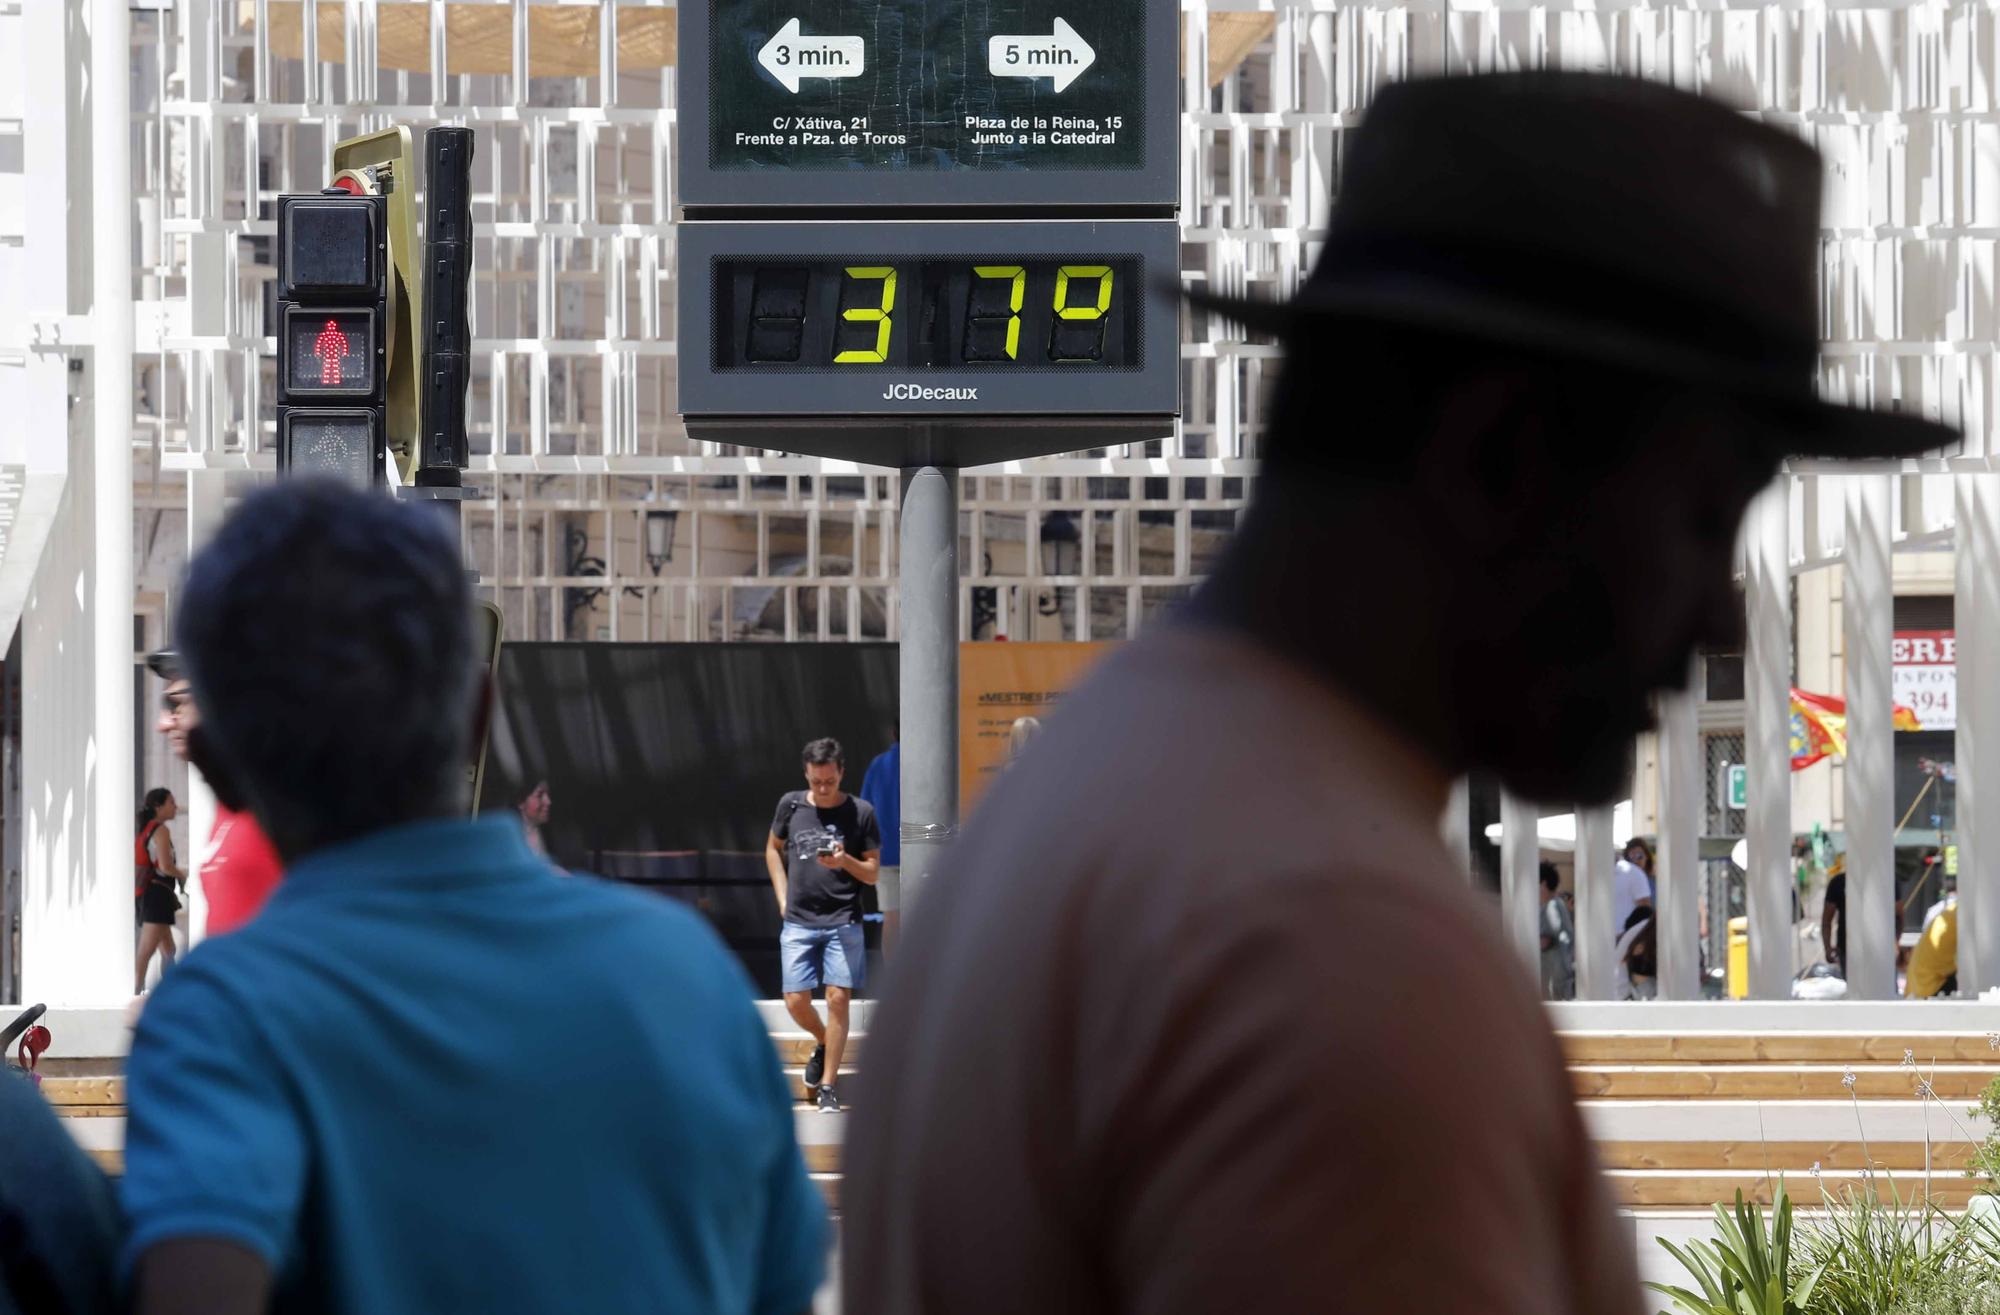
(1202, 1018)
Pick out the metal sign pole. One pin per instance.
(929, 671)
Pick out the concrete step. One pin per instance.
(843, 1081)
(1841, 1119)
(776, 1020)
(795, 1048)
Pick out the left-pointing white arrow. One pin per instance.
(1063, 56)
(791, 58)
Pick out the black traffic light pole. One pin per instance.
(446, 359)
(447, 331)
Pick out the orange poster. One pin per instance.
(998, 684)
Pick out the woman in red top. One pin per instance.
(157, 874)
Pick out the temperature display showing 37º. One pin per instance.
(988, 313)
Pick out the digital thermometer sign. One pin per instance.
(974, 319)
(926, 232)
(871, 311)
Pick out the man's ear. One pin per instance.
(1489, 464)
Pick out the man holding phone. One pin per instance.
(825, 846)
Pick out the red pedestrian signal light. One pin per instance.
(333, 265)
(329, 353)
(330, 346)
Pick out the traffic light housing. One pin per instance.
(333, 272)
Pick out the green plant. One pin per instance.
(1871, 1255)
(1747, 1268)
(1965, 1292)
(1985, 1163)
(1859, 1255)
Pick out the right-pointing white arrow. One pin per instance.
(1063, 56)
(791, 58)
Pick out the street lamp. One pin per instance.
(660, 525)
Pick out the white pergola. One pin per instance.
(141, 142)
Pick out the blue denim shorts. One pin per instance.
(822, 956)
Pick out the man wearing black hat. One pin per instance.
(1206, 1019)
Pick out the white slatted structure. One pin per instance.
(573, 401)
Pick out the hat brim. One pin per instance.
(1803, 424)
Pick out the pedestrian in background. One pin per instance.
(238, 867)
(882, 788)
(825, 846)
(1558, 938)
(1637, 954)
(1020, 735)
(1934, 961)
(1833, 915)
(534, 806)
(432, 1074)
(1631, 881)
(157, 880)
(1191, 1024)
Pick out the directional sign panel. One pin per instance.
(929, 102)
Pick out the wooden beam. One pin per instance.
(1778, 1047)
(563, 39)
(1231, 38)
(1791, 1082)
(1637, 1187)
(84, 1091)
(1787, 1157)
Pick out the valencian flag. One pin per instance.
(1819, 726)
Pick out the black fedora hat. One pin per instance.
(1593, 217)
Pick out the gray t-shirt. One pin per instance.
(1200, 1019)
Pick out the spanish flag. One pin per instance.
(1819, 726)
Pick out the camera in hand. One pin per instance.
(829, 847)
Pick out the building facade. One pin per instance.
(135, 364)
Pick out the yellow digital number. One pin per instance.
(1102, 273)
(1019, 276)
(882, 318)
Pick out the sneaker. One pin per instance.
(816, 1067)
(828, 1102)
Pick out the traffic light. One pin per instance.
(333, 271)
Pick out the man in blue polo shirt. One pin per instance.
(432, 1076)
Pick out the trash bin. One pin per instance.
(1739, 958)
